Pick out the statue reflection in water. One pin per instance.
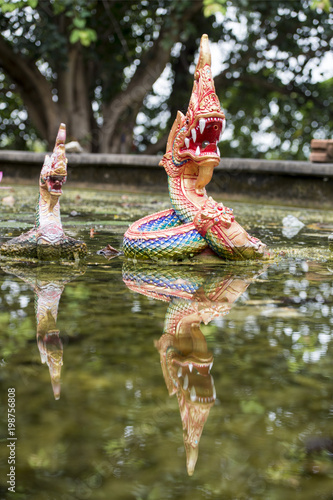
(48, 283)
(194, 298)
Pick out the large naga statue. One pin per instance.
(46, 240)
(196, 221)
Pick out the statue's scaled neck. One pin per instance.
(48, 210)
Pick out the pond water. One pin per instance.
(189, 381)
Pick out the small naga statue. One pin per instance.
(47, 241)
(196, 222)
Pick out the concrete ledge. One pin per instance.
(305, 168)
(27, 157)
(295, 182)
(20, 159)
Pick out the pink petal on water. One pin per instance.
(3, 187)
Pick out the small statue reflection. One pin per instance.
(48, 283)
(48, 336)
(186, 362)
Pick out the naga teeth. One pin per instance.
(180, 372)
(190, 366)
(202, 124)
(193, 394)
(187, 142)
(223, 125)
(222, 130)
(194, 134)
(210, 366)
(197, 151)
(214, 392)
(185, 386)
(218, 151)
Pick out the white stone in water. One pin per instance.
(8, 201)
(73, 147)
(291, 226)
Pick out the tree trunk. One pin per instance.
(151, 67)
(35, 90)
(74, 104)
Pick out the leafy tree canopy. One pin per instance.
(97, 66)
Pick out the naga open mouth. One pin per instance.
(195, 378)
(55, 183)
(202, 139)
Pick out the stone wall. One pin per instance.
(292, 182)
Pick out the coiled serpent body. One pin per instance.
(196, 221)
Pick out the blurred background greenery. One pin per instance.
(116, 72)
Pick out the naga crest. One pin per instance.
(54, 172)
(194, 136)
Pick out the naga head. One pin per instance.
(54, 172)
(51, 351)
(194, 137)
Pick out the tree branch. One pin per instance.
(118, 31)
(159, 146)
(152, 65)
(35, 90)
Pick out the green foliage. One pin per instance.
(273, 94)
(211, 7)
(324, 5)
(16, 130)
(84, 36)
(11, 5)
(273, 71)
(269, 55)
(79, 12)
